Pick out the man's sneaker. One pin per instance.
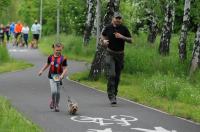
(57, 108)
(113, 100)
(51, 105)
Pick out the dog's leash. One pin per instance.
(65, 92)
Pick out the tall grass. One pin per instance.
(73, 47)
(143, 57)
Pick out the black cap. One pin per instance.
(117, 14)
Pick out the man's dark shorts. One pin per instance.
(36, 36)
(17, 35)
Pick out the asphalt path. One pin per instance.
(30, 95)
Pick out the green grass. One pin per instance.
(12, 121)
(4, 56)
(158, 81)
(72, 47)
(14, 65)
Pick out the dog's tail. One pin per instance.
(69, 100)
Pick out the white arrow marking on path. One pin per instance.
(157, 129)
(95, 130)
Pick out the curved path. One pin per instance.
(29, 94)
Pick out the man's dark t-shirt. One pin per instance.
(116, 44)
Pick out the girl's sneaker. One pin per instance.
(56, 108)
(51, 105)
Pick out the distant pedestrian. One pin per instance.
(58, 69)
(7, 32)
(12, 30)
(18, 31)
(25, 32)
(36, 29)
(1, 34)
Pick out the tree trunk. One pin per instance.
(98, 22)
(195, 62)
(184, 29)
(167, 28)
(98, 61)
(153, 28)
(91, 6)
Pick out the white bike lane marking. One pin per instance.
(95, 130)
(122, 120)
(157, 129)
(18, 50)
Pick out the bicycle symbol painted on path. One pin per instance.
(122, 120)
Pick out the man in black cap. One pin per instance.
(113, 38)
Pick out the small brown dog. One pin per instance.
(33, 44)
(72, 106)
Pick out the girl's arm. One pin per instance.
(43, 69)
(63, 73)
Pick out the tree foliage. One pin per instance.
(73, 13)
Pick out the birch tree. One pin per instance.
(91, 10)
(98, 61)
(167, 28)
(153, 28)
(195, 62)
(184, 29)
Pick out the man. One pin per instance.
(113, 38)
(36, 29)
(18, 30)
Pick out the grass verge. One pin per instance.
(14, 65)
(12, 121)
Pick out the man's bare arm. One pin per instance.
(127, 39)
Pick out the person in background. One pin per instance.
(7, 32)
(1, 34)
(36, 29)
(25, 32)
(12, 30)
(18, 31)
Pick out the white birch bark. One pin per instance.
(153, 28)
(91, 6)
(98, 62)
(167, 29)
(195, 62)
(184, 29)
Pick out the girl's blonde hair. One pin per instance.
(57, 45)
